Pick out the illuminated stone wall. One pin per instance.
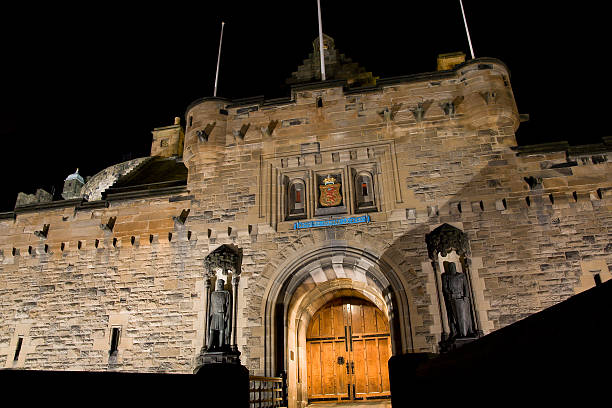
(538, 221)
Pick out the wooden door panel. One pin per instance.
(358, 368)
(314, 369)
(326, 322)
(356, 322)
(383, 352)
(381, 323)
(369, 318)
(357, 332)
(339, 320)
(372, 366)
(313, 328)
(328, 369)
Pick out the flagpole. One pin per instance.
(321, 42)
(218, 59)
(466, 29)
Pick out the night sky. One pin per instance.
(83, 86)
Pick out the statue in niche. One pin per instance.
(457, 299)
(219, 322)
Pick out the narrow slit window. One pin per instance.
(18, 348)
(364, 188)
(298, 196)
(114, 346)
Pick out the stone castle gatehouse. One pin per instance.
(349, 205)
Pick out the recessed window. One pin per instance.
(364, 193)
(296, 197)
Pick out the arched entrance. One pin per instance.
(348, 345)
(311, 278)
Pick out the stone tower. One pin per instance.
(72, 186)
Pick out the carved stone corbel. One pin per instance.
(267, 131)
(43, 233)
(241, 133)
(182, 218)
(204, 134)
(388, 114)
(420, 110)
(450, 107)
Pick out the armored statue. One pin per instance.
(219, 324)
(457, 299)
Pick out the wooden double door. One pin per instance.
(348, 348)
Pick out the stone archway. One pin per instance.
(306, 282)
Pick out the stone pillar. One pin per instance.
(235, 281)
(206, 302)
(465, 265)
(441, 304)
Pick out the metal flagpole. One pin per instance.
(321, 42)
(466, 29)
(218, 59)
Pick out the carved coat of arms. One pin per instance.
(330, 192)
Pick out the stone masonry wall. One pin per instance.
(458, 168)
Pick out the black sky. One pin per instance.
(83, 86)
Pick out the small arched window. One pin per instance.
(296, 199)
(364, 193)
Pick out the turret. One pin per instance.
(489, 100)
(205, 136)
(73, 185)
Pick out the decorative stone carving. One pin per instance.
(219, 318)
(445, 239)
(459, 322)
(456, 293)
(420, 109)
(388, 114)
(450, 107)
(221, 306)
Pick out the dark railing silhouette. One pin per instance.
(267, 392)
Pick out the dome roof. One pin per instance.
(75, 176)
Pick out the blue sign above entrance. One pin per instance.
(331, 223)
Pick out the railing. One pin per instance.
(267, 392)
